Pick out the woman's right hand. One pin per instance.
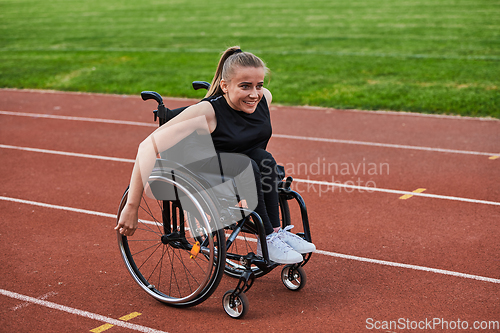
(127, 225)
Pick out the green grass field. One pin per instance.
(432, 56)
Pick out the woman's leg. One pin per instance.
(269, 179)
(264, 180)
(233, 166)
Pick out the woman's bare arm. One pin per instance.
(199, 117)
(269, 97)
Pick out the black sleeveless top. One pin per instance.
(237, 131)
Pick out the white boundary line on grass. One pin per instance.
(308, 181)
(78, 312)
(301, 52)
(281, 136)
(327, 253)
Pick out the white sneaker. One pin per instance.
(279, 251)
(295, 242)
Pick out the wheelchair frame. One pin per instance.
(186, 240)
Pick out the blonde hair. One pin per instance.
(231, 58)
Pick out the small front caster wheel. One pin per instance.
(294, 278)
(235, 307)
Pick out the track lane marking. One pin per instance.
(25, 304)
(308, 181)
(383, 145)
(70, 209)
(327, 253)
(65, 153)
(130, 316)
(408, 266)
(407, 196)
(106, 326)
(282, 136)
(101, 328)
(93, 120)
(376, 189)
(78, 312)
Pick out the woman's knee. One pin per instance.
(233, 164)
(264, 160)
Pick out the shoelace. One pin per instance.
(277, 242)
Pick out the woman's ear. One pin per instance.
(223, 86)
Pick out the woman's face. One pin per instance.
(245, 89)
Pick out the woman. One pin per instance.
(236, 114)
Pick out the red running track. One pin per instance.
(431, 258)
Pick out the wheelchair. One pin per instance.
(188, 236)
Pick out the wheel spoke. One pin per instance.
(150, 213)
(163, 265)
(149, 257)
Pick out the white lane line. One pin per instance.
(64, 153)
(190, 101)
(375, 189)
(25, 304)
(45, 205)
(407, 266)
(78, 312)
(257, 51)
(298, 180)
(327, 253)
(93, 120)
(384, 145)
(281, 136)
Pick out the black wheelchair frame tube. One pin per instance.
(260, 232)
(303, 210)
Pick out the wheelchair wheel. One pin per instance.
(246, 242)
(177, 253)
(293, 277)
(235, 307)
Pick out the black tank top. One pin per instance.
(237, 131)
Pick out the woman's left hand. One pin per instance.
(127, 225)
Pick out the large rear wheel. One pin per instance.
(177, 253)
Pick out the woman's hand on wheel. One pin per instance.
(127, 225)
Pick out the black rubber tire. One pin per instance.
(299, 278)
(239, 309)
(166, 271)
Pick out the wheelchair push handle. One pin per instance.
(146, 95)
(164, 113)
(161, 112)
(201, 85)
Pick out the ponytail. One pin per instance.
(231, 58)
